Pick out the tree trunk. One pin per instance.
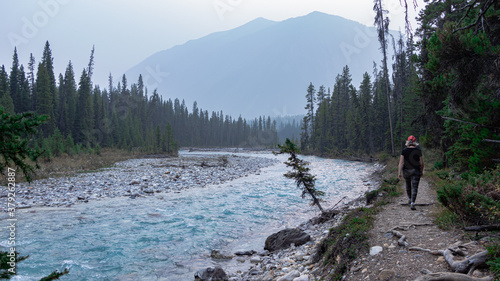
(316, 202)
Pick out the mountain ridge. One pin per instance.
(263, 67)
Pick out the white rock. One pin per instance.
(255, 259)
(302, 278)
(375, 250)
(290, 276)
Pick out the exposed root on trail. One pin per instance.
(461, 267)
(449, 276)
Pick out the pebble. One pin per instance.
(135, 178)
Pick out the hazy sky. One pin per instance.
(125, 32)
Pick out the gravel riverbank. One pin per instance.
(134, 178)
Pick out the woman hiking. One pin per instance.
(411, 167)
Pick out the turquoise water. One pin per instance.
(169, 236)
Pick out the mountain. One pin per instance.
(262, 67)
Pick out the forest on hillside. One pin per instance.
(444, 89)
(83, 118)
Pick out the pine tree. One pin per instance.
(365, 111)
(25, 95)
(383, 31)
(48, 63)
(15, 131)
(5, 99)
(44, 104)
(31, 81)
(309, 118)
(15, 84)
(300, 173)
(83, 120)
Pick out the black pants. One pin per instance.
(412, 178)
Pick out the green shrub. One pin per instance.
(446, 219)
(494, 257)
(474, 200)
(438, 165)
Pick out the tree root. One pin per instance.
(432, 252)
(402, 237)
(468, 265)
(448, 276)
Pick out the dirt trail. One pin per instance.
(397, 262)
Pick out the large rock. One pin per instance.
(211, 274)
(284, 238)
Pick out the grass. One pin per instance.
(346, 241)
(66, 165)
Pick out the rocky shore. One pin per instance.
(135, 178)
(296, 262)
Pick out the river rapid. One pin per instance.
(168, 234)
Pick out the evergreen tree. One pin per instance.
(15, 131)
(83, 120)
(15, 84)
(31, 81)
(48, 63)
(300, 173)
(44, 105)
(365, 115)
(5, 99)
(383, 31)
(25, 95)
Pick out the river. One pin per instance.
(169, 236)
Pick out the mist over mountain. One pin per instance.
(263, 67)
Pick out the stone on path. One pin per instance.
(375, 250)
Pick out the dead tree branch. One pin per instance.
(481, 15)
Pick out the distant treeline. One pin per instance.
(82, 117)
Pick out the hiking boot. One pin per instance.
(413, 206)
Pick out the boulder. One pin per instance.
(211, 274)
(284, 238)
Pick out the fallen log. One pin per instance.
(448, 276)
(482, 228)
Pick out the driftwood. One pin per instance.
(482, 228)
(448, 276)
